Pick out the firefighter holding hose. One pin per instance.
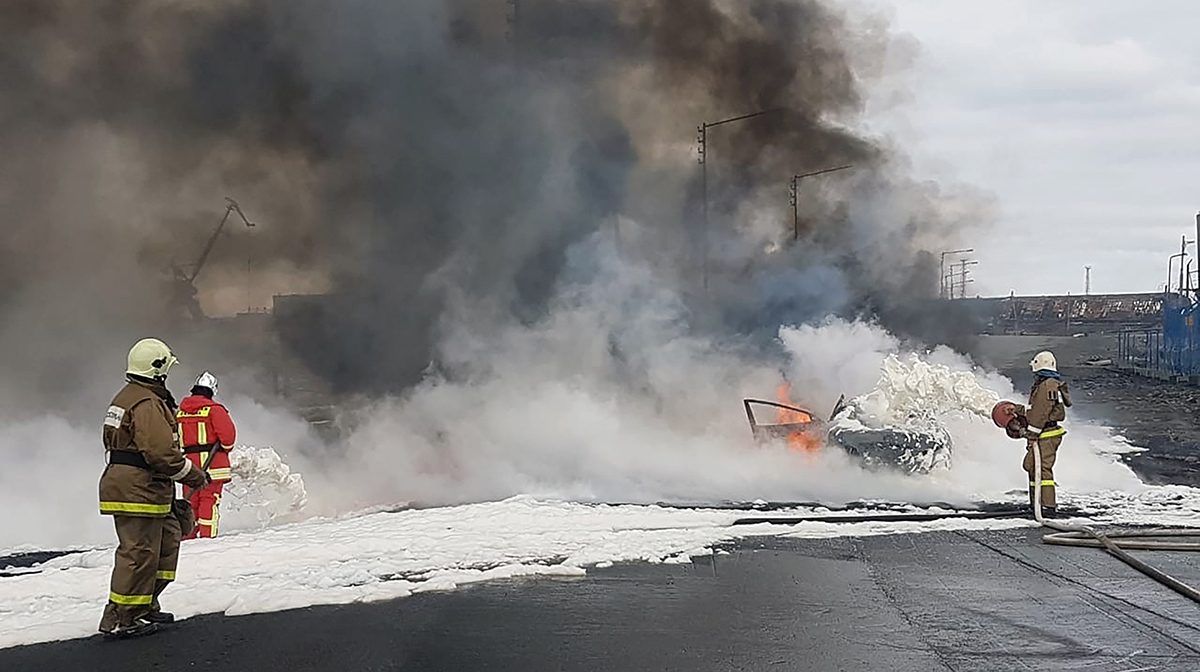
(1039, 426)
(207, 433)
(1048, 402)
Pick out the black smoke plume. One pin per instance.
(425, 163)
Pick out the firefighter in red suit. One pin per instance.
(205, 426)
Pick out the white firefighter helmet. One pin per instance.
(150, 358)
(1044, 361)
(208, 380)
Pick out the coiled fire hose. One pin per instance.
(1008, 416)
(1152, 539)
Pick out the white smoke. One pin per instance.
(49, 484)
(610, 397)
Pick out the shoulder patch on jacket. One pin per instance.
(114, 416)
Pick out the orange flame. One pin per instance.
(797, 441)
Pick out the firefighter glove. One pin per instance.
(196, 478)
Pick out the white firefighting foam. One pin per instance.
(901, 422)
(263, 488)
(393, 554)
(918, 388)
(387, 555)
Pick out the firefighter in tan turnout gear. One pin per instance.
(138, 490)
(1048, 401)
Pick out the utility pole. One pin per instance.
(962, 289)
(702, 146)
(1183, 242)
(795, 196)
(1171, 264)
(702, 157)
(1016, 314)
(942, 272)
(1087, 280)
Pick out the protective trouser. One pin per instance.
(146, 559)
(207, 503)
(1048, 448)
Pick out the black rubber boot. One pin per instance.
(160, 617)
(139, 628)
(157, 615)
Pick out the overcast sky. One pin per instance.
(1081, 118)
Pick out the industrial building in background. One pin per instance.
(1169, 350)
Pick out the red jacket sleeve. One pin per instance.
(223, 424)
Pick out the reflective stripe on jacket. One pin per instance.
(1048, 401)
(203, 425)
(139, 421)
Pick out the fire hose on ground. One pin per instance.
(1148, 539)
(1117, 543)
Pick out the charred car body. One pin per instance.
(919, 445)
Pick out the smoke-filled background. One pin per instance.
(500, 203)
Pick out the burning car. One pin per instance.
(917, 445)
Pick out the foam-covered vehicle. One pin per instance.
(900, 424)
(916, 445)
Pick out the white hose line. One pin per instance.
(1082, 535)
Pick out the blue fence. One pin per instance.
(1173, 349)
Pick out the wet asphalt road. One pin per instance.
(943, 601)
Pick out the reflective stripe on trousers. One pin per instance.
(211, 523)
(207, 503)
(135, 508)
(146, 558)
(130, 600)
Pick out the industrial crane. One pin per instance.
(186, 282)
(212, 240)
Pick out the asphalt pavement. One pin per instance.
(971, 601)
